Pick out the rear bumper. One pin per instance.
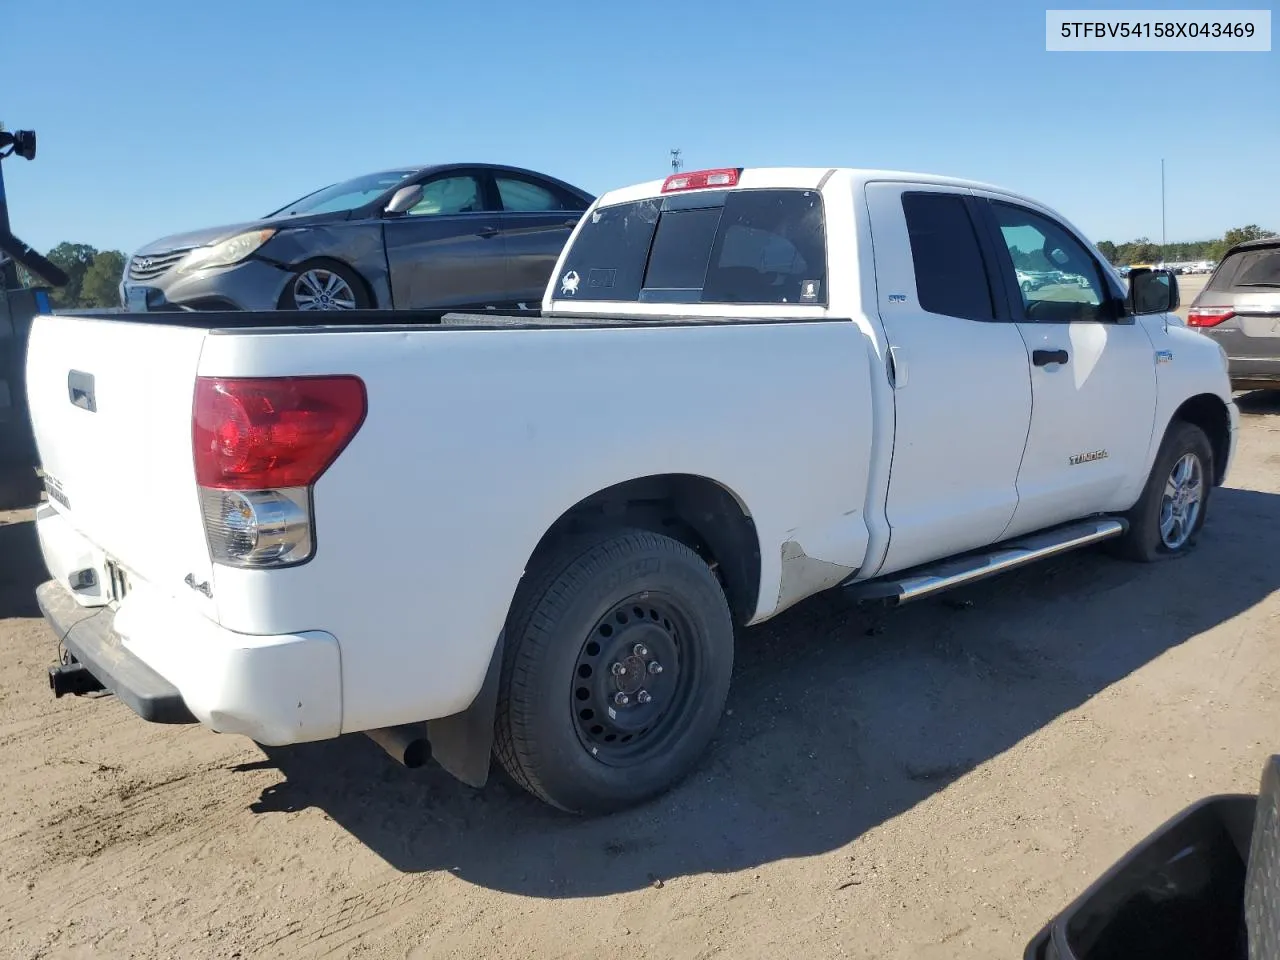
(91, 640)
(171, 665)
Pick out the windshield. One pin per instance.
(344, 196)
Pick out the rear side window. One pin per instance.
(738, 246)
(1247, 270)
(951, 276)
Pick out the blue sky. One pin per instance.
(155, 117)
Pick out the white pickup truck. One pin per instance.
(533, 536)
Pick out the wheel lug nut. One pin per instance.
(621, 699)
(640, 650)
(618, 669)
(655, 668)
(643, 696)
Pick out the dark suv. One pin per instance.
(1240, 308)
(445, 236)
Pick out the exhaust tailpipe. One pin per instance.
(407, 744)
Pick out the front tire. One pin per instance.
(324, 285)
(1170, 513)
(619, 650)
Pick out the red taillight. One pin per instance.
(1208, 316)
(699, 179)
(272, 432)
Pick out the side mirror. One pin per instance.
(1152, 291)
(404, 199)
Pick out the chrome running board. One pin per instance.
(929, 579)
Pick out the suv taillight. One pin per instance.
(1208, 316)
(259, 445)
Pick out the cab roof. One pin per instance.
(802, 178)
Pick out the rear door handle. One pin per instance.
(1042, 358)
(487, 232)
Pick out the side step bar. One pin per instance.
(926, 580)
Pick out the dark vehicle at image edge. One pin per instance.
(442, 236)
(1239, 307)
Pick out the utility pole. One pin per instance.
(1164, 239)
(676, 163)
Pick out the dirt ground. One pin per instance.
(934, 788)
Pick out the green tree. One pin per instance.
(1108, 250)
(1243, 234)
(74, 260)
(101, 284)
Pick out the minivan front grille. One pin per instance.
(151, 266)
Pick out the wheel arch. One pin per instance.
(696, 510)
(1209, 412)
(701, 513)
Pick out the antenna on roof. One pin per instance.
(676, 163)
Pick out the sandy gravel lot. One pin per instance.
(933, 786)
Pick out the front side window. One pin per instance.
(738, 246)
(951, 275)
(1058, 279)
(448, 195)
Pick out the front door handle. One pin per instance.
(1042, 358)
(487, 232)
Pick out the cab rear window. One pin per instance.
(726, 246)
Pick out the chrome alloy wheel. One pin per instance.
(1182, 501)
(321, 289)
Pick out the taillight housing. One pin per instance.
(1208, 316)
(701, 179)
(260, 444)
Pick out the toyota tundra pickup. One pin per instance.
(533, 538)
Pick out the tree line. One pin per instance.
(1143, 250)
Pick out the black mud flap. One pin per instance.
(463, 743)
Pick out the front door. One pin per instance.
(1093, 374)
(962, 393)
(447, 251)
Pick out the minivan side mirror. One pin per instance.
(404, 199)
(1152, 291)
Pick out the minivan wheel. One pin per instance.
(1175, 501)
(324, 286)
(618, 654)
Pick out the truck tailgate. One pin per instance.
(111, 408)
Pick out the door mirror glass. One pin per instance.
(1152, 291)
(406, 198)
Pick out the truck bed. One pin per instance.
(287, 321)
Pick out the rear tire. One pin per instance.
(619, 650)
(1170, 513)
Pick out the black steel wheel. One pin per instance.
(619, 649)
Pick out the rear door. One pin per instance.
(111, 408)
(962, 396)
(448, 250)
(537, 218)
(1093, 372)
(1240, 308)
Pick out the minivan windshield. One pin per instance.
(344, 196)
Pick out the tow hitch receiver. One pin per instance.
(73, 678)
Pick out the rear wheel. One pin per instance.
(324, 285)
(1172, 509)
(619, 650)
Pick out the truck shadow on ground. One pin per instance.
(833, 730)
(21, 569)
